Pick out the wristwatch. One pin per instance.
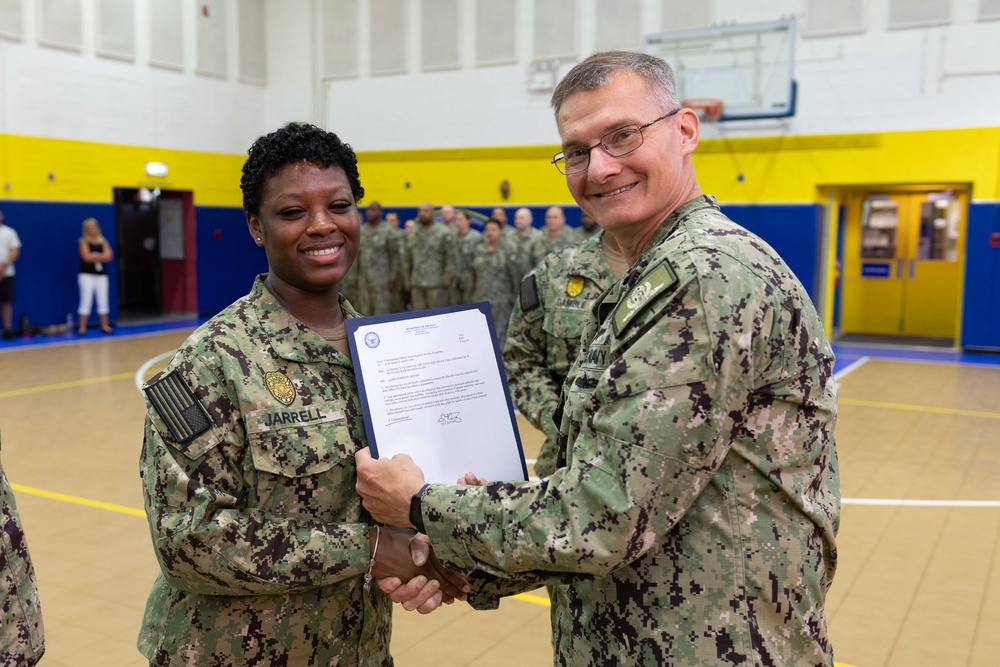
(416, 518)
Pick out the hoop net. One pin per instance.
(708, 109)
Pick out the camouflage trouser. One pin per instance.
(380, 301)
(422, 298)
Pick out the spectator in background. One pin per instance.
(494, 276)
(588, 226)
(392, 219)
(467, 240)
(95, 253)
(448, 216)
(543, 338)
(556, 235)
(10, 250)
(524, 241)
(380, 274)
(428, 261)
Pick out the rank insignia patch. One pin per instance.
(575, 285)
(280, 387)
(178, 407)
(658, 280)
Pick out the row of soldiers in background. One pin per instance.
(436, 264)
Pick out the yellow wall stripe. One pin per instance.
(771, 169)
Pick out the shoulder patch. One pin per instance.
(529, 293)
(657, 281)
(178, 407)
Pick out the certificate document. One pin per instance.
(432, 386)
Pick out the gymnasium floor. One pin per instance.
(919, 444)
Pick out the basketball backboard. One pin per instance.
(747, 66)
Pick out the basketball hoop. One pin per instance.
(708, 109)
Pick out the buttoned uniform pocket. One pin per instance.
(303, 462)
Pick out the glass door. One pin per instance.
(903, 263)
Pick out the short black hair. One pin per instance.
(295, 142)
(495, 222)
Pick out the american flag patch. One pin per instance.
(178, 407)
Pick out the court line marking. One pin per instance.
(899, 502)
(919, 408)
(857, 363)
(77, 500)
(140, 375)
(63, 385)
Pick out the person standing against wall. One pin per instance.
(428, 261)
(494, 276)
(10, 250)
(555, 235)
(524, 239)
(95, 253)
(379, 275)
(465, 246)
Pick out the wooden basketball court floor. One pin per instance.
(919, 444)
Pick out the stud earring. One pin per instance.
(258, 239)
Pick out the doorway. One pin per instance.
(156, 253)
(140, 278)
(903, 262)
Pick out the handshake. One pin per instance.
(386, 487)
(403, 555)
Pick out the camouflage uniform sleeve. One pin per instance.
(650, 430)
(532, 388)
(22, 635)
(207, 540)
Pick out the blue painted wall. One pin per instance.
(981, 302)
(45, 283)
(228, 259)
(794, 231)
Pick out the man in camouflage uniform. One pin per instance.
(543, 337)
(494, 276)
(555, 235)
(22, 636)
(588, 226)
(524, 239)
(380, 276)
(697, 477)
(466, 241)
(428, 261)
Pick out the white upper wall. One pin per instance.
(864, 76)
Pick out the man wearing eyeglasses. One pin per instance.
(697, 478)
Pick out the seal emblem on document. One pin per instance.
(372, 340)
(574, 286)
(280, 387)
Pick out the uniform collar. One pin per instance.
(289, 338)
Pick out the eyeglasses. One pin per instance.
(616, 143)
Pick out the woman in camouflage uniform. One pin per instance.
(495, 276)
(247, 465)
